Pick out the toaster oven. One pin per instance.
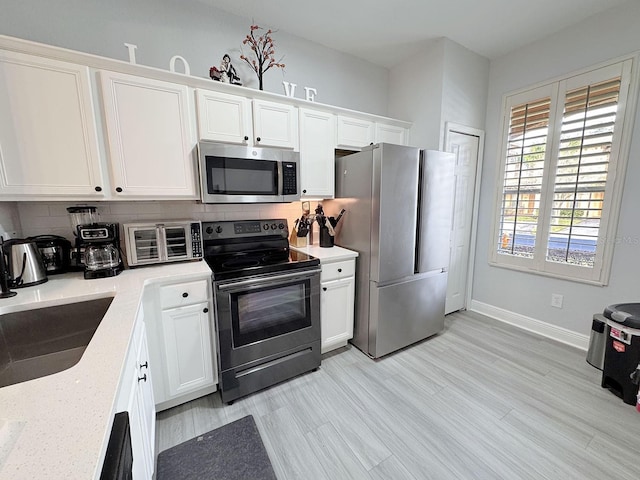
(148, 243)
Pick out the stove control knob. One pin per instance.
(273, 226)
(266, 226)
(209, 230)
(281, 226)
(218, 229)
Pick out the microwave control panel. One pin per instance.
(289, 175)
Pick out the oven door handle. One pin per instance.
(263, 280)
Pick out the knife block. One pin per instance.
(296, 241)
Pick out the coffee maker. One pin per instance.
(100, 243)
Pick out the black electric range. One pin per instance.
(244, 248)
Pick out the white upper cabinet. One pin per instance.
(391, 134)
(236, 119)
(150, 140)
(354, 132)
(317, 153)
(224, 118)
(48, 140)
(275, 124)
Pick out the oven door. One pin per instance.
(266, 315)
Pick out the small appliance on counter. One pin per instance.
(100, 243)
(24, 263)
(55, 252)
(80, 215)
(148, 243)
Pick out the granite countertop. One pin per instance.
(326, 254)
(58, 426)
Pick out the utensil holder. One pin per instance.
(326, 240)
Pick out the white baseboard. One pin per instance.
(554, 332)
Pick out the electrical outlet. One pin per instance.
(556, 300)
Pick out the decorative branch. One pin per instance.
(263, 49)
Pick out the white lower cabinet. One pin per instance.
(337, 294)
(136, 397)
(187, 339)
(182, 346)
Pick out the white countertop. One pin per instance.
(327, 254)
(58, 426)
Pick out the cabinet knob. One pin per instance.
(258, 139)
(142, 378)
(144, 365)
(304, 191)
(246, 138)
(118, 189)
(324, 288)
(185, 295)
(98, 189)
(339, 270)
(205, 310)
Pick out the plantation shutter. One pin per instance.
(560, 187)
(584, 151)
(523, 174)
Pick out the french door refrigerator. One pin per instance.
(399, 207)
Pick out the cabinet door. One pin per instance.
(224, 118)
(354, 132)
(317, 153)
(150, 137)
(336, 312)
(141, 406)
(275, 124)
(48, 139)
(391, 134)
(188, 352)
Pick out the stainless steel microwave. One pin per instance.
(239, 174)
(148, 243)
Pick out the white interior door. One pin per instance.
(466, 144)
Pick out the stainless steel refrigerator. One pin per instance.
(399, 207)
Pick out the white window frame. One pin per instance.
(599, 273)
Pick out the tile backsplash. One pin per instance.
(39, 218)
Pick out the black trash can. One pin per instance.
(597, 341)
(622, 352)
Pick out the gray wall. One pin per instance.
(202, 35)
(600, 38)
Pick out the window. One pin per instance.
(563, 145)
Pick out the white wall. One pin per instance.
(444, 83)
(202, 35)
(614, 33)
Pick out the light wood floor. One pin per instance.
(482, 400)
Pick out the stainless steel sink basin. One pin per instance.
(40, 342)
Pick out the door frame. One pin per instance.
(452, 127)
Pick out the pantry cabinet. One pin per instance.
(236, 119)
(150, 137)
(48, 136)
(317, 153)
(391, 134)
(183, 346)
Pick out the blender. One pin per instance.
(80, 215)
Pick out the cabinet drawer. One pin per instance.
(183, 294)
(336, 270)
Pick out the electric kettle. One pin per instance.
(24, 263)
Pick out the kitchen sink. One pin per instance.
(39, 342)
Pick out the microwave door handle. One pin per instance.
(162, 243)
(280, 180)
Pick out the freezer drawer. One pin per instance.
(405, 313)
